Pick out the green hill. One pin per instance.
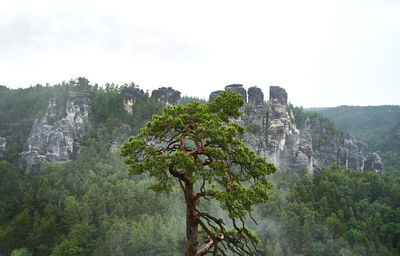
(91, 206)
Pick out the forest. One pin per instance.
(91, 206)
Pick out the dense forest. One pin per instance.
(91, 206)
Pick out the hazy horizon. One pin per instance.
(323, 53)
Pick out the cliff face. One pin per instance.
(167, 95)
(3, 145)
(286, 145)
(308, 144)
(129, 95)
(55, 137)
(330, 147)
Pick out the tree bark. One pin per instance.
(192, 223)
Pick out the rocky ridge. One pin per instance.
(309, 144)
(55, 136)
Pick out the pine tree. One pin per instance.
(199, 147)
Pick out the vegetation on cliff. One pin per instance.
(91, 206)
(377, 126)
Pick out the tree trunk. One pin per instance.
(192, 224)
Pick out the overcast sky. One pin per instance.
(324, 53)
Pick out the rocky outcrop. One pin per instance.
(255, 96)
(214, 95)
(337, 147)
(311, 143)
(306, 145)
(129, 95)
(285, 145)
(3, 145)
(238, 88)
(374, 163)
(167, 95)
(55, 137)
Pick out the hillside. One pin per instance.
(64, 189)
(377, 126)
(358, 120)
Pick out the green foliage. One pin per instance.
(91, 206)
(198, 145)
(334, 213)
(76, 209)
(67, 248)
(107, 105)
(18, 110)
(357, 119)
(20, 252)
(107, 108)
(80, 84)
(188, 99)
(142, 111)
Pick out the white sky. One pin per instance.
(324, 53)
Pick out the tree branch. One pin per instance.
(167, 147)
(183, 137)
(209, 245)
(178, 174)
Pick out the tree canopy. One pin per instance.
(91, 206)
(200, 147)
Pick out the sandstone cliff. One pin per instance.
(308, 144)
(166, 95)
(129, 95)
(55, 137)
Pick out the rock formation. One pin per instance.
(256, 96)
(214, 95)
(374, 163)
(309, 144)
(166, 95)
(238, 88)
(305, 145)
(129, 95)
(55, 137)
(3, 145)
(285, 145)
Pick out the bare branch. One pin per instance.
(209, 245)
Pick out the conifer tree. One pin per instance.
(200, 148)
